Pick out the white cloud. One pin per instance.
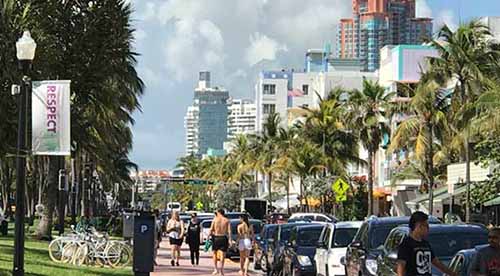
(149, 76)
(423, 9)
(148, 12)
(446, 17)
(262, 48)
(192, 47)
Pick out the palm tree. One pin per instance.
(422, 130)
(368, 113)
(267, 147)
(469, 57)
(241, 156)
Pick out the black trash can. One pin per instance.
(4, 227)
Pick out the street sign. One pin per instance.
(340, 188)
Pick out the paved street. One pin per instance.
(185, 268)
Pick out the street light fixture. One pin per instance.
(25, 51)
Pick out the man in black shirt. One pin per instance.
(415, 255)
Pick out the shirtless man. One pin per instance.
(220, 231)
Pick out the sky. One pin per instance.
(235, 40)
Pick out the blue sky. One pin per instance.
(234, 39)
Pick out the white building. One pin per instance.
(148, 180)
(191, 127)
(287, 92)
(271, 93)
(492, 22)
(241, 117)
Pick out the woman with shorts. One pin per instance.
(175, 230)
(245, 239)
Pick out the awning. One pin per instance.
(492, 202)
(425, 197)
(281, 203)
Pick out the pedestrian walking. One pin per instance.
(415, 255)
(193, 239)
(487, 260)
(175, 230)
(220, 232)
(245, 239)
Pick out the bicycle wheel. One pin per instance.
(69, 252)
(112, 254)
(120, 255)
(55, 249)
(81, 255)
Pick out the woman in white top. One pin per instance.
(175, 230)
(245, 239)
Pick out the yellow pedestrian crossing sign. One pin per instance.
(340, 188)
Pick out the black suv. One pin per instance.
(276, 247)
(446, 240)
(298, 257)
(362, 253)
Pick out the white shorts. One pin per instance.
(245, 244)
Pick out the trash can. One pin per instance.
(144, 243)
(4, 227)
(128, 225)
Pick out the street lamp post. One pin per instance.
(25, 50)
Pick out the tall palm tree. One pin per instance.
(267, 148)
(368, 112)
(423, 130)
(241, 156)
(467, 56)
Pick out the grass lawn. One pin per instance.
(37, 261)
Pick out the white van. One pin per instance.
(332, 247)
(174, 206)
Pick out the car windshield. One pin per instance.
(343, 236)
(285, 233)
(257, 227)
(379, 235)
(206, 223)
(445, 245)
(308, 237)
(270, 230)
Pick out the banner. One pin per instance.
(51, 123)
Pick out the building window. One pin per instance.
(305, 89)
(269, 89)
(269, 108)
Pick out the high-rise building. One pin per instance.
(206, 120)
(493, 23)
(376, 23)
(241, 117)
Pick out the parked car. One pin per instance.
(362, 252)
(446, 240)
(276, 246)
(313, 217)
(262, 242)
(299, 251)
(277, 218)
(205, 229)
(233, 250)
(332, 247)
(462, 261)
(236, 215)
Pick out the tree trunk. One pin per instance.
(370, 182)
(45, 226)
(430, 169)
(288, 194)
(467, 179)
(301, 195)
(269, 189)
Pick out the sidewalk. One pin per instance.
(185, 268)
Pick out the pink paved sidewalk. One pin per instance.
(164, 267)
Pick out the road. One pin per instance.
(205, 268)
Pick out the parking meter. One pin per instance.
(144, 243)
